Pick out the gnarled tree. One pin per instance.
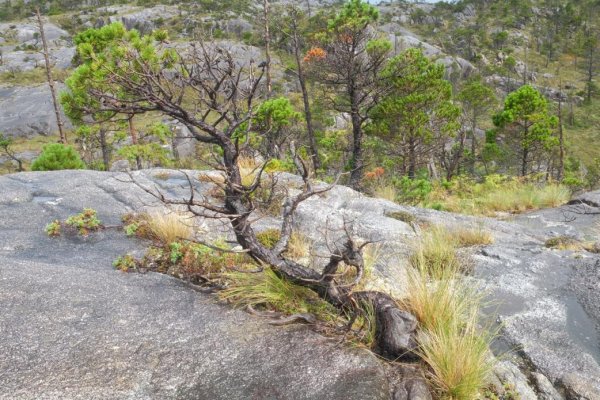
(205, 89)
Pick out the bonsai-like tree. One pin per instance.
(205, 89)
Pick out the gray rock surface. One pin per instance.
(17, 58)
(509, 373)
(74, 328)
(579, 388)
(546, 300)
(28, 111)
(143, 19)
(545, 389)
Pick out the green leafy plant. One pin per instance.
(53, 228)
(57, 156)
(131, 229)
(85, 222)
(176, 254)
(269, 237)
(125, 263)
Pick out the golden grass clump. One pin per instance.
(458, 357)
(467, 237)
(437, 252)
(447, 308)
(169, 227)
(496, 194)
(299, 246)
(571, 243)
(387, 192)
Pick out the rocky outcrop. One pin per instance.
(403, 39)
(21, 47)
(74, 328)
(153, 337)
(28, 111)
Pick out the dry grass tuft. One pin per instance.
(169, 227)
(299, 247)
(447, 308)
(458, 357)
(387, 192)
(497, 194)
(466, 237)
(437, 252)
(572, 244)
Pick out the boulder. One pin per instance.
(75, 328)
(545, 389)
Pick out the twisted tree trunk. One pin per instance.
(395, 328)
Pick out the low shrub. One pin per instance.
(125, 263)
(83, 223)
(53, 228)
(269, 237)
(57, 156)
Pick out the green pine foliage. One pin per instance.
(57, 156)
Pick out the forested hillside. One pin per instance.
(415, 102)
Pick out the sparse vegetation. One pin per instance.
(451, 341)
(53, 228)
(437, 253)
(269, 291)
(83, 223)
(34, 76)
(496, 194)
(269, 237)
(299, 246)
(403, 216)
(169, 226)
(125, 263)
(467, 237)
(571, 243)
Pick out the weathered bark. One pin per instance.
(590, 73)
(561, 144)
(59, 123)
(357, 155)
(14, 157)
(412, 158)
(267, 46)
(473, 160)
(231, 106)
(524, 161)
(134, 139)
(312, 142)
(104, 148)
